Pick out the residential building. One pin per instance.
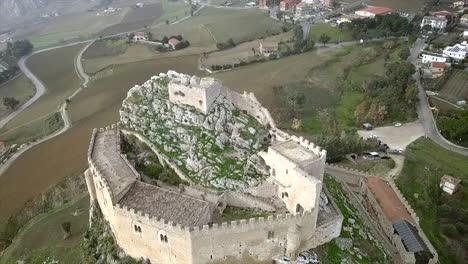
(328, 3)
(464, 34)
(434, 22)
(303, 9)
(173, 42)
(289, 5)
(373, 11)
(265, 4)
(442, 13)
(433, 57)
(464, 19)
(449, 184)
(457, 52)
(139, 36)
(438, 69)
(460, 3)
(268, 48)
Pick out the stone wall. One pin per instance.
(249, 103)
(247, 201)
(345, 175)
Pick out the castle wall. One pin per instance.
(249, 103)
(247, 201)
(261, 238)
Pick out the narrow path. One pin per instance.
(63, 108)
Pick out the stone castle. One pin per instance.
(183, 120)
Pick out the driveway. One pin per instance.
(396, 137)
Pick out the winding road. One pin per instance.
(424, 111)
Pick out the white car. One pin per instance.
(398, 124)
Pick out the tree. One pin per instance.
(310, 44)
(404, 53)
(165, 39)
(150, 36)
(279, 15)
(324, 39)
(66, 228)
(426, 28)
(167, 22)
(130, 37)
(10, 103)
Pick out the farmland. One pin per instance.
(335, 33)
(443, 217)
(135, 19)
(59, 78)
(20, 88)
(456, 87)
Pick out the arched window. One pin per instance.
(273, 172)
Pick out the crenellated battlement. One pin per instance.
(280, 135)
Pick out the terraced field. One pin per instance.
(456, 87)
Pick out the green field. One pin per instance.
(20, 88)
(443, 217)
(375, 167)
(240, 25)
(41, 240)
(173, 10)
(335, 33)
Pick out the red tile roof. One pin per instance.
(173, 41)
(378, 10)
(439, 65)
(140, 34)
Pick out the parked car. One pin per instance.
(398, 124)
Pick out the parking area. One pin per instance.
(396, 137)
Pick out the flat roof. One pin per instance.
(377, 10)
(106, 155)
(165, 204)
(388, 200)
(294, 151)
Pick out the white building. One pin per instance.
(457, 52)
(464, 19)
(426, 58)
(303, 9)
(449, 184)
(434, 22)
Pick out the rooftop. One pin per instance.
(435, 18)
(378, 10)
(388, 200)
(409, 236)
(450, 179)
(295, 152)
(165, 204)
(173, 41)
(106, 155)
(441, 65)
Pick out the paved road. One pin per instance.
(424, 112)
(63, 108)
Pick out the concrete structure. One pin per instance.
(449, 184)
(456, 52)
(265, 4)
(268, 48)
(435, 22)
(176, 225)
(433, 57)
(373, 11)
(139, 36)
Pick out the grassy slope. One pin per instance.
(42, 238)
(33, 130)
(20, 88)
(425, 164)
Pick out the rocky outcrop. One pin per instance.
(218, 149)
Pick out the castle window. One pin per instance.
(271, 234)
(299, 209)
(165, 238)
(137, 228)
(211, 256)
(286, 171)
(273, 172)
(284, 194)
